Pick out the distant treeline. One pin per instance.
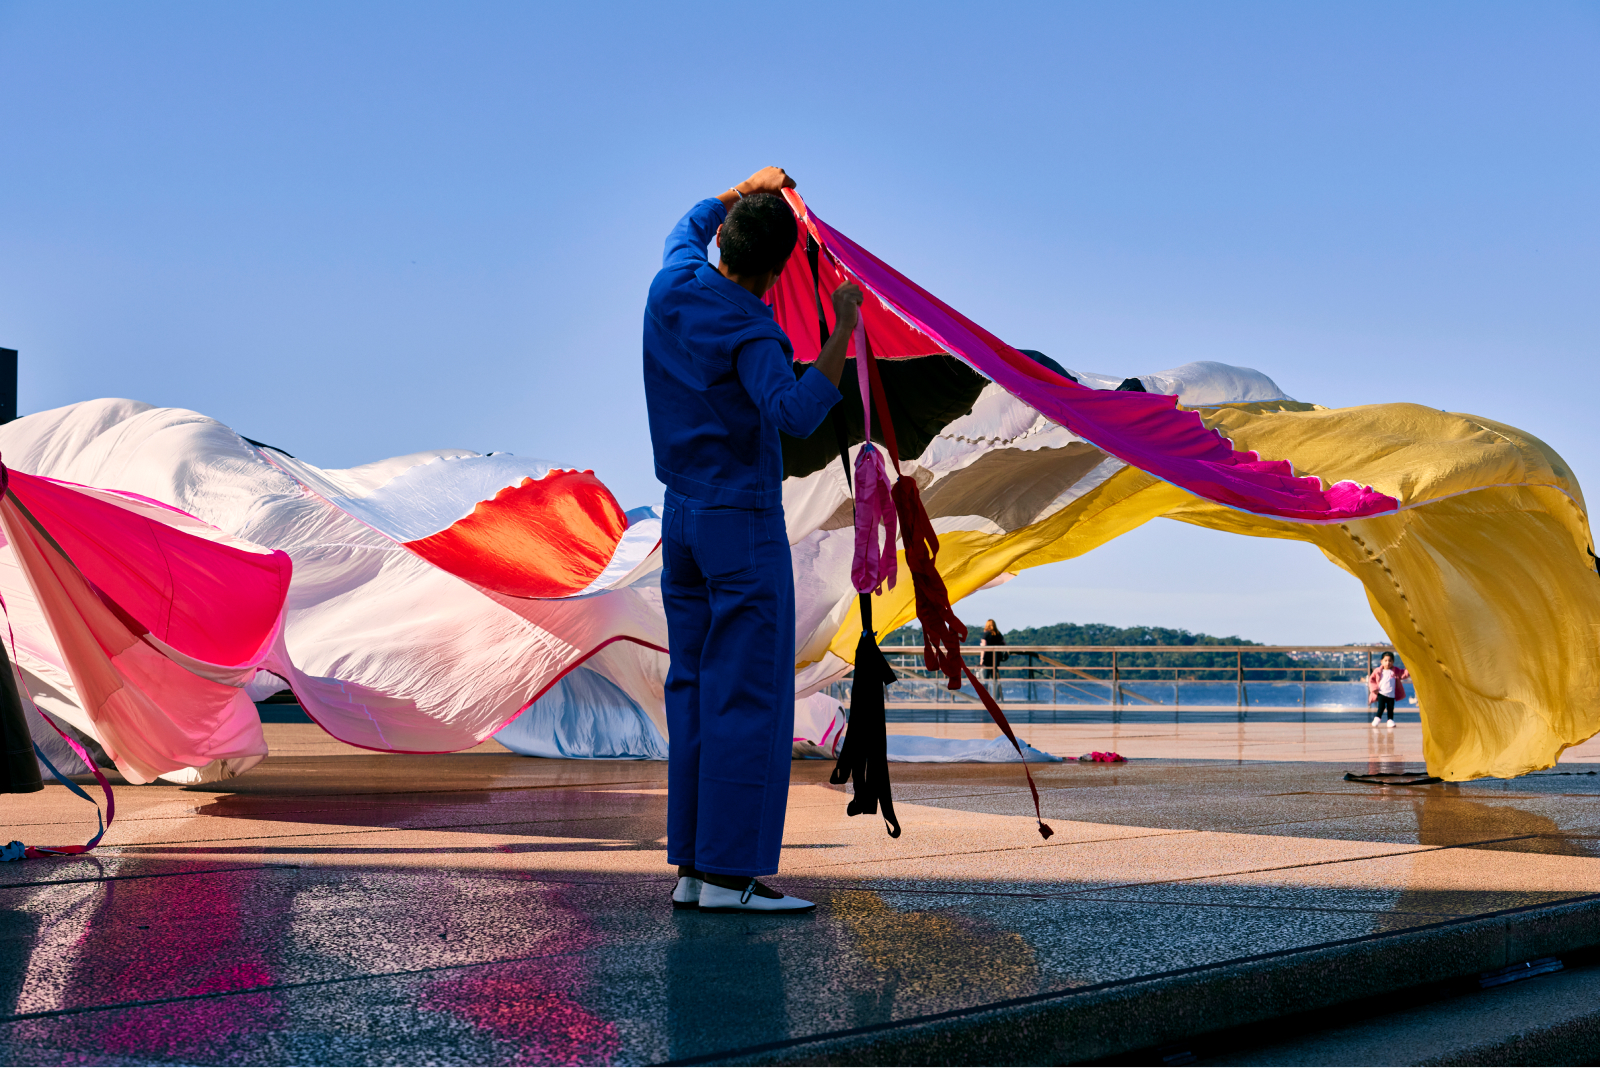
(1129, 665)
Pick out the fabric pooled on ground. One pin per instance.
(920, 749)
(584, 714)
(818, 727)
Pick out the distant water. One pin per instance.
(1023, 714)
(1143, 701)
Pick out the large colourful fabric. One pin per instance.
(384, 647)
(1482, 578)
(549, 537)
(436, 595)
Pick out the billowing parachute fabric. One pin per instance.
(1471, 538)
(411, 623)
(148, 622)
(1489, 550)
(584, 715)
(1482, 578)
(435, 596)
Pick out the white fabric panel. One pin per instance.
(819, 719)
(921, 749)
(1205, 382)
(584, 715)
(1199, 384)
(423, 499)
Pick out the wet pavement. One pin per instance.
(341, 907)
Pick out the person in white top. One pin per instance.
(1385, 687)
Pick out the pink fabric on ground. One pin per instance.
(1145, 430)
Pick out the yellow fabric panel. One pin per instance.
(969, 559)
(1408, 451)
(1483, 580)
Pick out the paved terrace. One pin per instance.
(342, 907)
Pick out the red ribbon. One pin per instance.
(942, 631)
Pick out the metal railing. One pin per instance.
(1149, 677)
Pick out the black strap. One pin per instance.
(864, 757)
(836, 417)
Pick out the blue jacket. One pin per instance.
(719, 378)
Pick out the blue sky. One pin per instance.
(356, 230)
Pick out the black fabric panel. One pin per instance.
(926, 394)
(1044, 361)
(1131, 385)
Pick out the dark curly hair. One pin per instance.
(758, 235)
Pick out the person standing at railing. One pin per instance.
(1385, 686)
(719, 388)
(992, 660)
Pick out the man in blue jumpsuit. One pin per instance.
(720, 385)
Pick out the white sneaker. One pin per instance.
(1376, 720)
(686, 895)
(1391, 724)
(753, 898)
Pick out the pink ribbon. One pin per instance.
(874, 563)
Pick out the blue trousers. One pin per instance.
(727, 584)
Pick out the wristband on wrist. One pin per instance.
(735, 191)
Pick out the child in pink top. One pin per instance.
(1385, 687)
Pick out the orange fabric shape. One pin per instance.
(545, 538)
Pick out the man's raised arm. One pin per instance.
(687, 243)
(772, 180)
(688, 240)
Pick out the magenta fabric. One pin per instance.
(875, 562)
(1144, 430)
(159, 627)
(214, 602)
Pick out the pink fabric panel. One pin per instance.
(794, 302)
(151, 714)
(210, 601)
(1145, 430)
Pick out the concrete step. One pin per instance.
(1547, 1019)
(1174, 1011)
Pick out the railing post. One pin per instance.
(1239, 662)
(1116, 683)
